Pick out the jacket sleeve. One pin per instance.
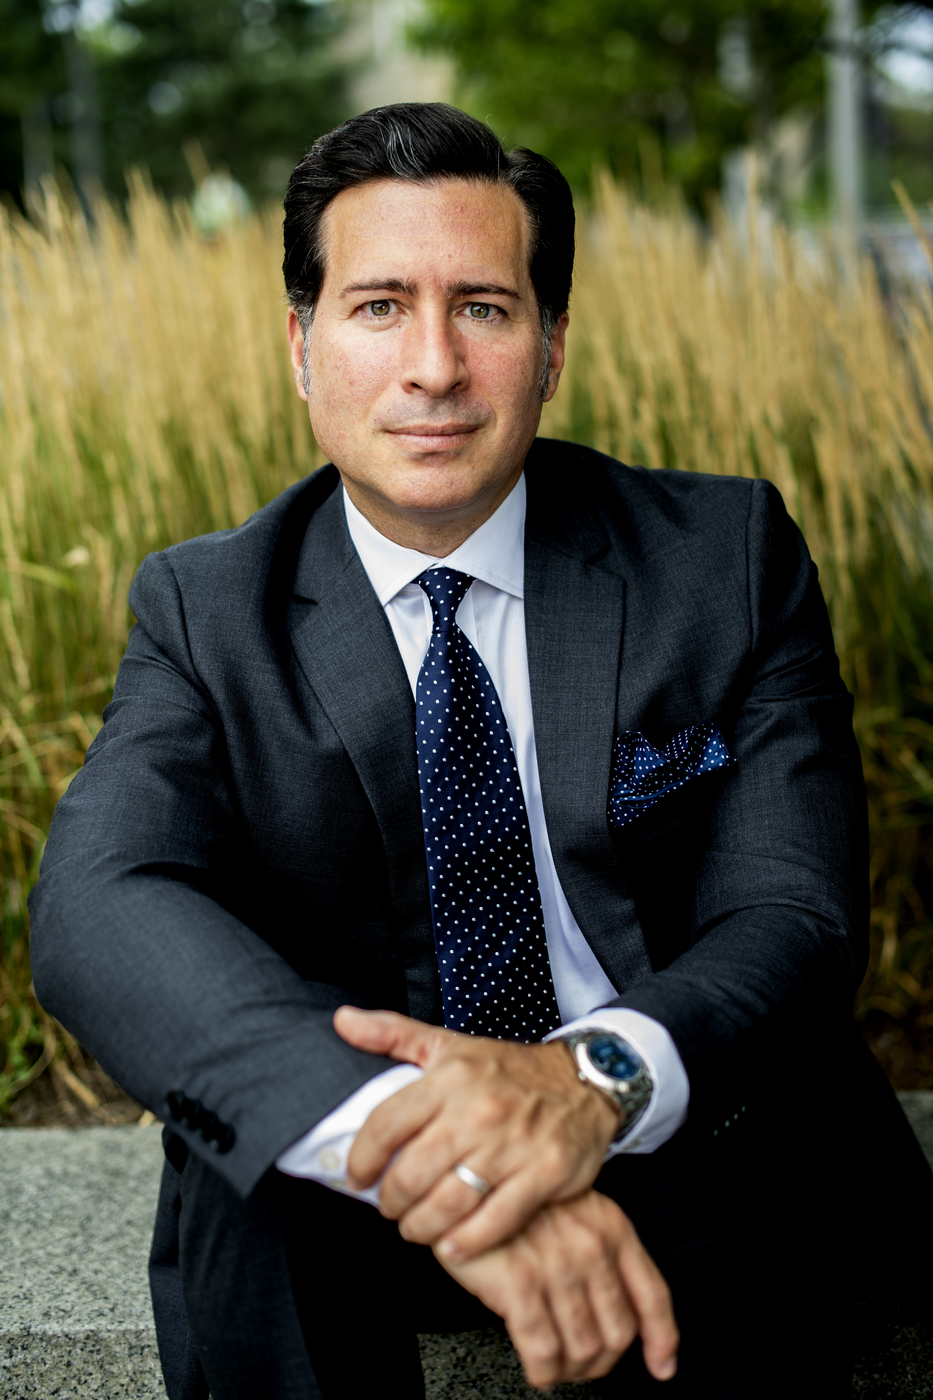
(777, 903)
(133, 948)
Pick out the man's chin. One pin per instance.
(457, 471)
(438, 486)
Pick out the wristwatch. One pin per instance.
(611, 1064)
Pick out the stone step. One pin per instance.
(76, 1212)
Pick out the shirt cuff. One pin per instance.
(670, 1096)
(321, 1155)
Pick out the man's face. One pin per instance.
(426, 351)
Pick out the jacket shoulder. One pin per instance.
(646, 507)
(237, 564)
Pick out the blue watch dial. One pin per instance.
(613, 1057)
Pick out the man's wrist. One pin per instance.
(613, 1116)
(610, 1064)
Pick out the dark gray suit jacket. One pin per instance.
(242, 850)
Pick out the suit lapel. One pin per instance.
(574, 619)
(344, 645)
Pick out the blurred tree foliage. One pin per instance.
(252, 81)
(255, 83)
(587, 81)
(33, 71)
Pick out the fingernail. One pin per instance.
(667, 1369)
(450, 1249)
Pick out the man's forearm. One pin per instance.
(170, 991)
(322, 1153)
(757, 975)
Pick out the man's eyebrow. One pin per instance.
(475, 289)
(389, 284)
(454, 289)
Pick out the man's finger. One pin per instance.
(617, 1319)
(435, 1212)
(389, 1033)
(580, 1333)
(509, 1282)
(577, 1257)
(388, 1127)
(497, 1218)
(422, 1172)
(535, 1337)
(651, 1299)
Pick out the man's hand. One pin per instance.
(575, 1288)
(517, 1115)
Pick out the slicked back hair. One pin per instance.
(421, 142)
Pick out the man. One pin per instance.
(466, 740)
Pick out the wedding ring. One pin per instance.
(469, 1178)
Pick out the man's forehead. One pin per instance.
(461, 231)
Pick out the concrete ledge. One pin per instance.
(918, 1105)
(76, 1210)
(105, 1363)
(480, 1366)
(900, 1369)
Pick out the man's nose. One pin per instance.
(433, 355)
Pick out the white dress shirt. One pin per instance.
(492, 615)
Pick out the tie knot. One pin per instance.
(446, 588)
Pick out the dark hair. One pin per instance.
(419, 142)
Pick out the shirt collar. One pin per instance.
(494, 553)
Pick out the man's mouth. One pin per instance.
(436, 436)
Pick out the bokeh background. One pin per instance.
(754, 296)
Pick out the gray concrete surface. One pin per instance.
(76, 1209)
(480, 1366)
(76, 1212)
(919, 1109)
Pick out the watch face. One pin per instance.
(613, 1057)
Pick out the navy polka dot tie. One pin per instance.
(488, 925)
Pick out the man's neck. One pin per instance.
(432, 533)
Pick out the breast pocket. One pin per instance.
(643, 776)
(659, 852)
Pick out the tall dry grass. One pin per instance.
(145, 396)
(754, 354)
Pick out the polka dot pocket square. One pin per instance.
(642, 774)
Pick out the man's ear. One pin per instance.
(558, 337)
(296, 342)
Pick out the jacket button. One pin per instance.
(176, 1103)
(224, 1138)
(193, 1112)
(210, 1124)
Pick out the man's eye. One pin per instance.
(380, 308)
(479, 311)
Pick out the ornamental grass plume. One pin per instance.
(146, 396)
